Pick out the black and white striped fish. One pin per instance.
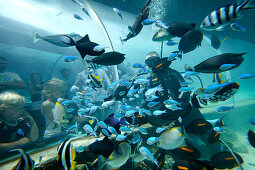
(66, 155)
(223, 16)
(25, 161)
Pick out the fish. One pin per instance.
(66, 155)
(137, 26)
(25, 162)
(174, 55)
(117, 12)
(70, 58)
(213, 88)
(20, 132)
(171, 43)
(107, 104)
(191, 164)
(125, 129)
(152, 140)
(99, 48)
(198, 126)
(246, 76)
(223, 16)
(105, 132)
(218, 129)
(215, 41)
(102, 147)
(88, 129)
(59, 113)
(151, 91)
(160, 129)
(162, 35)
(148, 155)
(112, 130)
(217, 122)
(148, 21)
(159, 112)
(77, 17)
(179, 29)
(77, 2)
(61, 40)
(135, 139)
(190, 41)
(227, 66)
(212, 65)
(116, 159)
(185, 89)
(109, 58)
(79, 149)
(171, 139)
(185, 151)
(237, 27)
(85, 47)
(224, 160)
(251, 138)
(143, 131)
(86, 12)
(173, 107)
(160, 24)
(102, 124)
(223, 109)
(120, 137)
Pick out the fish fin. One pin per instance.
(221, 28)
(244, 6)
(101, 162)
(36, 37)
(84, 39)
(73, 163)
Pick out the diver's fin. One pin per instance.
(36, 37)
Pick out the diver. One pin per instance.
(171, 81)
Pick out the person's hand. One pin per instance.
(23, 141)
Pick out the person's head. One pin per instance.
(11, 106)
(3, 64)
(65, 72)
(151, 58)
(36, 77)
(54, 89)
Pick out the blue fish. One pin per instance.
(70, 58)
(67, 102)
(171, 43)
(136, 138)
(102, 124)
(117, 11)
(78, 17)
(20, 132)
(69, 110)
(218, 129)
(152, 104)
(148, 21)
(222, 109)
(105, 132)
(227, 66)
(137, 65)
(246, 76)
(174, 55)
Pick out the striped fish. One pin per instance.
(223, 16)
(66, 155)
(25, 161)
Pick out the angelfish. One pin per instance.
(66, 155)
(25, 161)
(223, 16)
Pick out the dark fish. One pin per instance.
(191, 164)
(213, 136)
(85, 11)
(215, 41)
(186, 151)
(85, 46)
(198, 126)
(223, 16)
(25, 161)
(77, 17)
(179, 29)
(104, 147)
(212, 65)
(137, 26)
(224, 160)
(66, 155)
(112, 121)
(190, 41)
(109, 58)
(251, 138)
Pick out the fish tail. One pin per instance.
(36, 37)
(245, 6)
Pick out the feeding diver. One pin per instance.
(137, 26)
